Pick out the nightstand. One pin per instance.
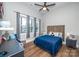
(71, 43)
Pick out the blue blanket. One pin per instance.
(49, 43)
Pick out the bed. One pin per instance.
(51, 43)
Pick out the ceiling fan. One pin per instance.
(45, 6)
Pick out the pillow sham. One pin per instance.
(59, 34)
(50, 33)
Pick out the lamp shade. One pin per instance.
(68, 34)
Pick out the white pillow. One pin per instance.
(59, 34)
(50, 33)
(55, 33)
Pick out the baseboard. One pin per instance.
(77, 46)
(30, 40)
(64, 42)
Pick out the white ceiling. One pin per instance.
(41, 3)
(58, 4)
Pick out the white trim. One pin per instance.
(29, 40)
(2, 28)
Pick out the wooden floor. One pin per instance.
(33, 51)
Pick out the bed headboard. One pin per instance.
(57, 28)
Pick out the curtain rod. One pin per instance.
(20, 13)
(25, 14)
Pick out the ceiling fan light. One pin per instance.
(44, 8)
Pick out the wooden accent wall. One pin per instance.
(57, 28)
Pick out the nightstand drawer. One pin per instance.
(71, 43)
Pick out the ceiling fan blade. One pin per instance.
(40, 9)
(51, 5)
(38, 5)
(47, 9)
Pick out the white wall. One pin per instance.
(11, 7)
(67, 15)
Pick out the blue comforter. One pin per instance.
(49, 43)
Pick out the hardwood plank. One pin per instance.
(31, 50)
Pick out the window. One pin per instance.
(27, 26)
(31, 26)
(37, 27)
(31, 23)
(23, 23)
